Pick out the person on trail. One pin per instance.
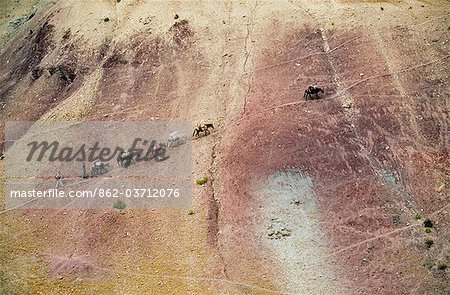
(84, 174)
(156, 147)
(202, 126)
(58, 178)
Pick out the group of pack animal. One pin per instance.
(312, 92)
(126, 158)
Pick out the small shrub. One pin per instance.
(428, 223)
(202, 181)
(429, 242)
(442, 266)
(114, 60)
(36, 73)
(191, 212)
(81, 114)
(67, 34)
(119, 204)
(428, 230)
(428, 264)
(106, 19)
(418, 216)
(65, 73)
(396, 219)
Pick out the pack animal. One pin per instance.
(125, 159)
(202, 128)
(312, 92)
(99, 168)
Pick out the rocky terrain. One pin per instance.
(325, 196)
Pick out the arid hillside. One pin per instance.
(317, 196)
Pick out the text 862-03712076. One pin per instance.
(139, 193)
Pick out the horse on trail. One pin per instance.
(202, 128)
(312, 92)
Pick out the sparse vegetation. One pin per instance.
(114, 60)
(428, 223)
(429, 242)
(442, 266)
(65, 73)
(396, 219)
(202, 181)
(317, 185)
(36, 73)
(119, 204)
(80, 114)
(428, 264)
(67, 34)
